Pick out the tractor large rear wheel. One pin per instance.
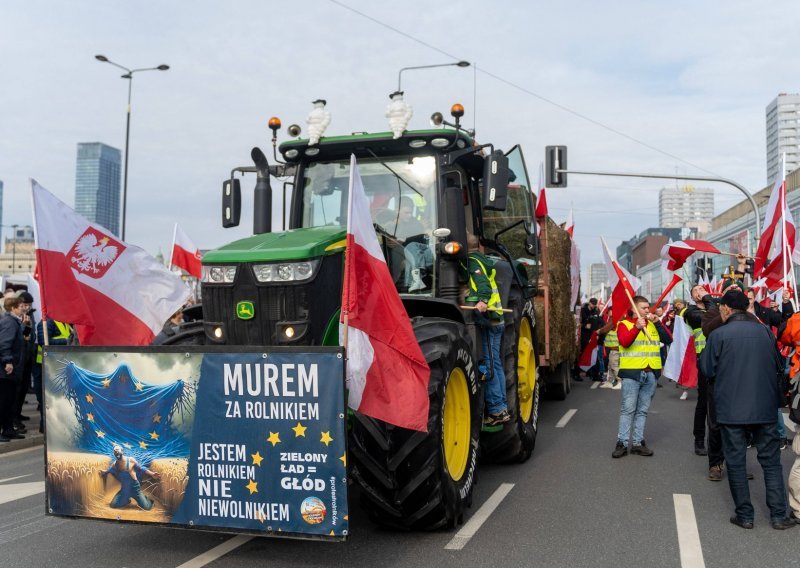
(424, 480)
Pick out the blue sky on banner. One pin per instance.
(690, 80)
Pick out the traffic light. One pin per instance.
(555, 158)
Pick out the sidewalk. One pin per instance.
(32, 436)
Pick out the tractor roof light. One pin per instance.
(457, 110)
(274, 125)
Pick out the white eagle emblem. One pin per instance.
(94, 253)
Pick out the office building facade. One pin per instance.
(783, 135)
(97, 184)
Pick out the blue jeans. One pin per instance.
(734, 446)
(781, 428)
(492, 366)
(636, 397)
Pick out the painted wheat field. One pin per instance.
(76, 488)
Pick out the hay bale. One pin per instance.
(562, 318)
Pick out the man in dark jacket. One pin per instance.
(11, 362)
(742, 360)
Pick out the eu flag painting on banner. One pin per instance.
(243, 441)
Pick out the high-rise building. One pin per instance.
(783, 135)
(598, 280)
(97, 183)
(686, 206)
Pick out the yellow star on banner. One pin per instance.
(326, 438)
(90, 417)
(252, 486)
(257, 459)
(261, 517)
(139, 386)
(89, 399)
(153, 435)
(274, 438)
(346, 517)
(332, 533)
(127, 445)
(143, 445)
(157, 418)
(299, 430)
(343, 459)
(100, 434)
(106, 382)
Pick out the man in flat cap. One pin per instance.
(742, 361)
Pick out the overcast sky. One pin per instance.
(689, 80)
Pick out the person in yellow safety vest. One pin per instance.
(703, 412)
(57, 334)
(486, 297)
(639, 367)
(611, 343)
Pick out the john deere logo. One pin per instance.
(245, 310)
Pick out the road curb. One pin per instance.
(30, 441)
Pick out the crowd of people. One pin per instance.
(21, 338)
(748, 359)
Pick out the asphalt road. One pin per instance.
(570, 505)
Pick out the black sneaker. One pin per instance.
(741, 522)
(641, 450)
(494, 419)
(700, 448)
(620, 450)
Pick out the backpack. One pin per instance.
(794, 399)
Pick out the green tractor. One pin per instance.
(283, 288)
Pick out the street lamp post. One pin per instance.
(129, 76)
(455, 64)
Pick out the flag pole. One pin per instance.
(633, 304)
(39, 266)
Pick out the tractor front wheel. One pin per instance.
(424, 480)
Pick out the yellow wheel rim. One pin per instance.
(457, 419)
(526, 370)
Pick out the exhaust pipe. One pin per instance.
(262, 208)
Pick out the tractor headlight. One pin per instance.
(219, 274)
(286, 271)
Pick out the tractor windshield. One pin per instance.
(401, 192)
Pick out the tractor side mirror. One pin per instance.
(495, 181)
(231, 203)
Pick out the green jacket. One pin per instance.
(481, 272)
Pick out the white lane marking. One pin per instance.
(595, 384)
(217, 552)
(7, 479)
(688, 536)
(22, 451)
(476, 521)
(15, 491)
(564, 419)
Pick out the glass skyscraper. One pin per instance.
(97, 184)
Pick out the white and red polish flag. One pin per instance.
(773, 245)
(541, 199)
(113, 292)
(569, 225)
(622, 284)
(185, 254)
(681, 363)
(387, 375)
(588, 358)
(675, 254)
